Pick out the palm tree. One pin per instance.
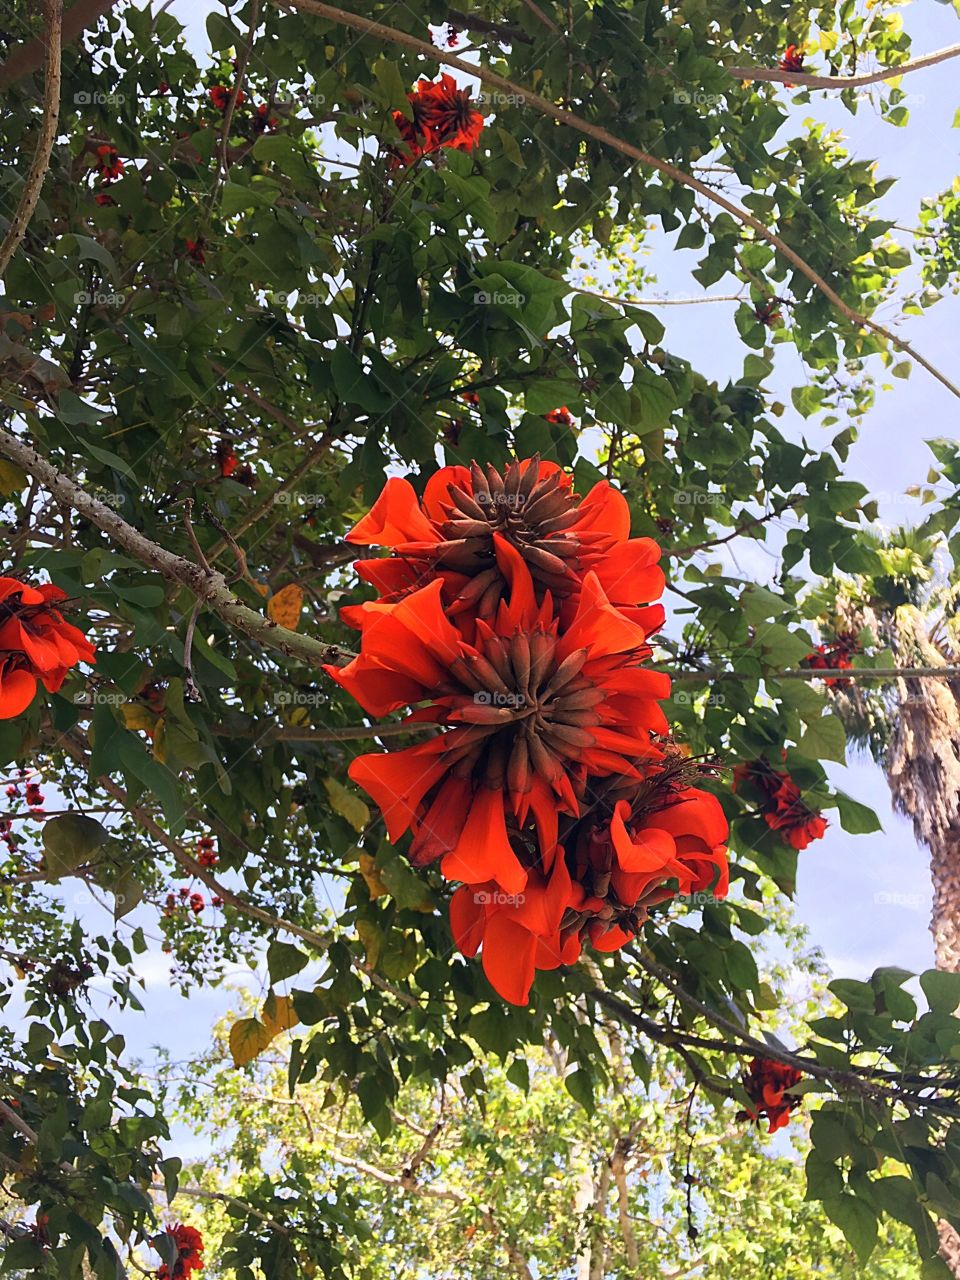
(912, 728)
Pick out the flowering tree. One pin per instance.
(324, 298)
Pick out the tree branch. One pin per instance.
(33, 183)
(366, 26)
(810, 81)
(209, 587)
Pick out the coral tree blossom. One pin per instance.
(515, 616)
(782, 804)
(837, 656)
(189, 1244)
(766, 1084)
(36, 643)
(441, 115)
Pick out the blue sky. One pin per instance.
(864, 899)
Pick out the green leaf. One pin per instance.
(127, 893)
(284, 960)
(856, 818)
(856, 1220)
(392, 86)
(69, 841)
(941, 989)
(579, 1084)
(824, 739)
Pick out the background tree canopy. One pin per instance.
(240, 294)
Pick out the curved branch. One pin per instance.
(33, 183)
(808, 80)
(366, 26)
(210, 587)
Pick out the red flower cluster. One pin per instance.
(109, 165)
(189, 1243)
(220, 95)
(441, 116)
(197, 250)
(792, 59)
(263, 121)
(836, 656)
(516, 616)
(769, 313)
(35, 644)
(206, 851)
(561, 417)
(766, 1083)
(782, 804)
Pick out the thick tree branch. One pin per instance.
(367, 26)
(209, 587)
(810, 81)
(33, 183)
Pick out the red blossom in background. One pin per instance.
(769, 313)
(442, 115)
(109, 164)
(189, 1245)
(560, 417)
(782, 804)
(515, 615)
(792, 59)
(766, 1084)
(219, 95)
(227, 459)
(836, 656)
(196, 250)
(36, 643)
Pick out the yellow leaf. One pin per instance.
(372, 940)
(137, 716)
(248, 1039)
(347, 804)
(278, 1014)
(12, 479)
(284, 607)
(160, 741)
(368, 869)
(297, 716)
